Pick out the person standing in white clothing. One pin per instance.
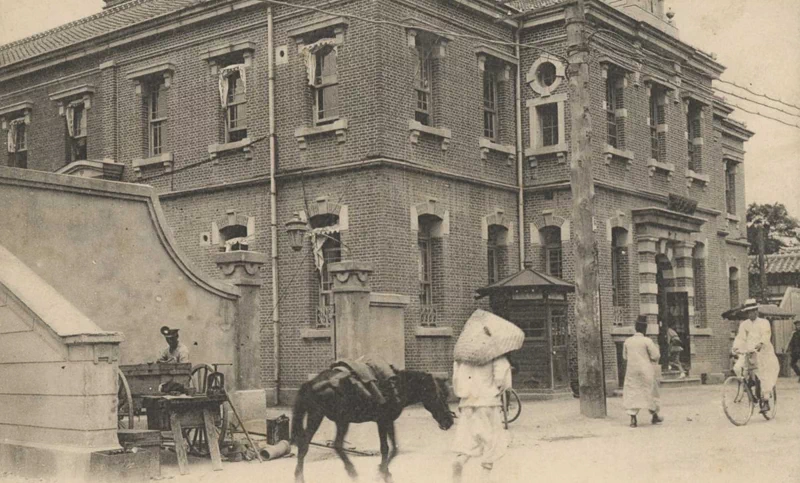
(754, 339)
(479, 433)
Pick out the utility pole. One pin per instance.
(762, 268)
(590, 345)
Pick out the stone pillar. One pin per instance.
(241, 268)
(684, 274)
(351, 295)
(648, 288)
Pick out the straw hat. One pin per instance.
(486, 337)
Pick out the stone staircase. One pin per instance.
(673, 379)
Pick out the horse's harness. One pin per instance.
(366, 376)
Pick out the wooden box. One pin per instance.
(113, 466)
(142, 438)
(144, 379)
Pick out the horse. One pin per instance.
(349, 406)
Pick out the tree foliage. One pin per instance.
(781, 229)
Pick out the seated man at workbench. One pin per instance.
(176, 353)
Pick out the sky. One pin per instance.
(757, 40)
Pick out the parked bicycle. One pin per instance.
(512, 407)
(739, 398)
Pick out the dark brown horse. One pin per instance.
(347, 405)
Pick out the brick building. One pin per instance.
(397, 142)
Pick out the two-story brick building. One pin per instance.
(398, 140)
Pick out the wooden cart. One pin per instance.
(138, 381)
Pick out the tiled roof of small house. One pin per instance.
(110, 20)
(778, 263)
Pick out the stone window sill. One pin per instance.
(309, 333)
(163, 159)
(560, 150)
(421, 331)
(487, 145)
(611, 152)
(701, 331)
(692, 177)
(733, 218)
(654, 166)
(416, 128)
(339, 127)
(215, 149)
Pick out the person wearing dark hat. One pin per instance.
(794, 348)
(641, 375)
(176, 353)
(754, 341)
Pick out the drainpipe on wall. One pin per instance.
(273, 210)
(520, 153)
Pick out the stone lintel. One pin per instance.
(241, 267)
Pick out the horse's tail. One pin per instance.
(299, 412)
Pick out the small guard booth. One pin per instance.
(537, 303)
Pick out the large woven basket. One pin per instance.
(485, 337)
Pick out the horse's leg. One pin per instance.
(384, 430)
(393, 440)
(338, 445)
(315, 418)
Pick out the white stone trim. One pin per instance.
(339, 127)
(533, 82)
(215, 149)
(487, 145)
(416, 128)
(163, 159)
(536, 148)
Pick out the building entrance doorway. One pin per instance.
(673, 311)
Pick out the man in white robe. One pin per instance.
(642, 374)
(479, 432)
(754, 340)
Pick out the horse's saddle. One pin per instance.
(367, 375)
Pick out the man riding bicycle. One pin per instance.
(753, 341)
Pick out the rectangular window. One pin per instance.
(730, 187)
(18, 151)
(617, 254)
(535, 325)
(157, 118)
(425, 271)
(611, 111)
(326, 88)
(553, 256)
(655, 144)
(236, 110)
(490, 120)
(423, 85)
(548, 120)
(492, 264)
(693, 131)
(331, 253)
(77, 138)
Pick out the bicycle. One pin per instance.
(512, 407)
(738, 395)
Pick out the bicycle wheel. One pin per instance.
(737, 401)
(773, 406)
(513, 405)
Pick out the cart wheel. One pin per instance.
(124, 402)
(197, 437)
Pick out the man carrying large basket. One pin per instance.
(481, 374)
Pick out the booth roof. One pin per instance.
(769, 311)
(528, 279)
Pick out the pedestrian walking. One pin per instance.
(675, 350)
(794, 348)
(481, 374)
(754, 340)
(642, 374)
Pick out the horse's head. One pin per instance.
(434, 395)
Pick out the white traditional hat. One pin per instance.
(486, 337)
(750, 304)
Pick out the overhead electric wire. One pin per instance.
(759, 94)
(756, 113)
(756, 102)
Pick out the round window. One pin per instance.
(546, 74)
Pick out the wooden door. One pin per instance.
(559, 341)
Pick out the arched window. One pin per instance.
(234, 238)
(327, 246)
(619, 266)
(495, 253)
(733, 286)
(551, 237)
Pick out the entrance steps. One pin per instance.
(674, 379)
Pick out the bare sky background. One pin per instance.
(758, 41)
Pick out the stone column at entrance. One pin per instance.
(242, 269)
(351, 296)
(648, 287)
(684, 274)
